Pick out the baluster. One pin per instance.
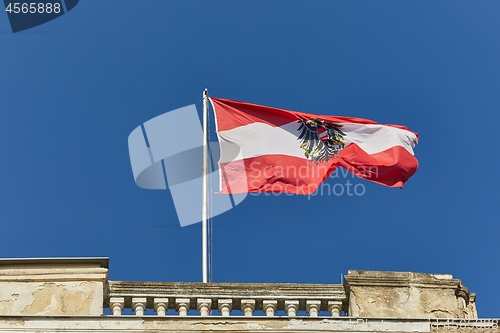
(313, 307)
(269, 307)
(291, 308)
(139, 305)
(161, 306)
(335, 308)
(182, 306)
(248, 307)
(116, 305)
(204, 305)
(225, 306)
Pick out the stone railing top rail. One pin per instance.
(237, 290)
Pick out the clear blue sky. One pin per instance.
(73, 89)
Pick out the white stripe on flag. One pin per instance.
(259, 139)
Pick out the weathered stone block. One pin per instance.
(52, 286)
(407, 295)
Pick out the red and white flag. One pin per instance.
(265, 149)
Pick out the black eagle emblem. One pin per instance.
(321, 140)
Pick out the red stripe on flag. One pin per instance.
(392, 167)
(290, 174)
(231, 114)
(272, 173)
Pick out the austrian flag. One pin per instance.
(265, 149)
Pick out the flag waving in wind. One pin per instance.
(294, 152)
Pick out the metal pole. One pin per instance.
(204, 195)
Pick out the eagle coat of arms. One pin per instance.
(320, 140)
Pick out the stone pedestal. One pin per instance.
(407, 295)
(62, 286)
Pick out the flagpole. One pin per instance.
(204, 196)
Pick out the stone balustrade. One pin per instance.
(225, 299)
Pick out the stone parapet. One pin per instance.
(79, 287)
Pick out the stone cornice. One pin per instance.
(77, 261)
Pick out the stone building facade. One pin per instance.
(75, 295)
